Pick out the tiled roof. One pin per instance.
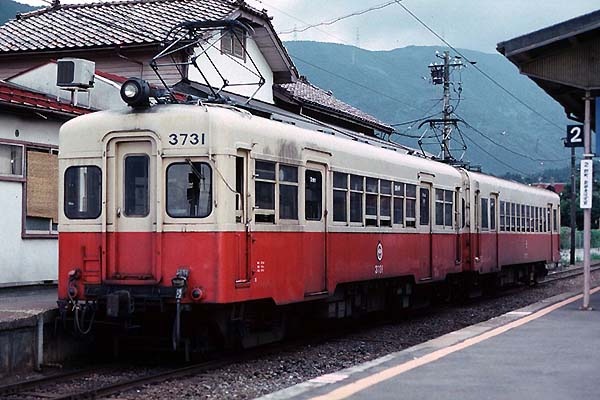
(127, 22)
(307, 93)
(13, 95)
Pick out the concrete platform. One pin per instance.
(549, 350)
(25, 344)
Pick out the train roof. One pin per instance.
(512, 185)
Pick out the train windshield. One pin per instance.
(83, 189)
(189, 190)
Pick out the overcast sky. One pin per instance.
(471, 24)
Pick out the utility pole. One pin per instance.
(573, 207)
(447, 127)
(440, 75)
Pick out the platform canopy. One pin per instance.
(562, 59)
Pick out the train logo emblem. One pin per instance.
(379, 251)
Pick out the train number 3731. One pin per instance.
(193, 139)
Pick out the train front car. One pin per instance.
(138, 224)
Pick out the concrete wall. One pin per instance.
(24, 259)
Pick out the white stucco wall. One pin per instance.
(234, 72)
(22, 260)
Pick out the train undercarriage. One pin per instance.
(138, 314)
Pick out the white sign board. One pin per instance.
(585, 185)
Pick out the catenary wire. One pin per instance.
(489, 77)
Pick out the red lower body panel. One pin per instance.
(287, 266)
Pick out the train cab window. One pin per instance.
(264, 188)
(83, 190)
(189, 190)
(340, 196)
(288, 192)
(398, 203)
(385, 203)
(493, 214)
(502, 216)
(371, 202)
(484, 214)
(411, 205)
(313, 205)
(356, 198)
(137, 194)
(554, 221)
(424, 206)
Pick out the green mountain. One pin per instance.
(395, 87)
(9, 9)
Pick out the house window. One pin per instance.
(11, 160)
(41, 191)
(233, 42)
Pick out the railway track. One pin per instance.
(65, 385)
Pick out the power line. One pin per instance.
(493, 156)
(354, 82)
(494, 81)
(507, 148)
(337, 19)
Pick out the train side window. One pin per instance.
(513, 217)
(340, 197)
(239, 188)
(137, 194)
(502, 216)
(547, 220)
(492, 214)
(411, 205)
(189, 190)
(264, 188)
(527, 220)
(554, 220)
(423, 206)
(83, 191)
(288, 192)
(519, 219)
(443, 207)
(356, 198)
(313, 205)
(484, 214)
(523, 218)
(385, 203)
(463, 211)
(371, 202)
(536, 222)
(398, 203)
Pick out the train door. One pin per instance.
(131, 209)
(426, 227)
(242, 218)
(549, 227)
(476, 243)
(315, 214)
(493, 256)
(457, 224)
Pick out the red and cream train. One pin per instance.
(212, 215)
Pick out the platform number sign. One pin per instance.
(574, 136)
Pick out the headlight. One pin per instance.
(136, 93)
